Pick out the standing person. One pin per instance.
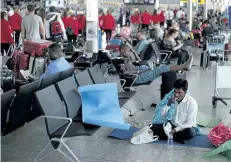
(101, 17)
(155, 17)
(15, 22)
(145, 19)
(72, 27)
(65, 19)
(180, 14)
(135, 21)
(82, 22)
(108, 24)
(128, 13)
(53, 21)
(6, 33)
(162, 17)
(32, 25)
(42, 14)
(169, 15)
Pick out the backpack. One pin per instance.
(55, 28)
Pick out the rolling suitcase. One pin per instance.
(36, 46)
(168, 80)
(204, 59)
(20, 63)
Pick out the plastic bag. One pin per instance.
(167, 128)
(143, 136)
(219, 134)
(224, 149)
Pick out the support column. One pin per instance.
(190, 13)
(92, 27)
(157, 4)
(205, 9)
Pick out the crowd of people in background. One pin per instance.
(35, 23)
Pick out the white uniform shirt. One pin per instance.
(179, 14)
(169, 14)
(186, 113)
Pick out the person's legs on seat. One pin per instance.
(150, 75)
(159, 130)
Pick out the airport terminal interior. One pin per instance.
(115, 81)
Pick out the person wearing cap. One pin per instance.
(32, 25)
(145, 19)
(82, 21)
(108, 24)
(52, 16)
(72, 26)
(15, 22)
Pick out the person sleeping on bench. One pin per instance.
(144, 72)
(180, 110)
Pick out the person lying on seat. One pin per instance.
(145, 73)
(56, 62)
(180, 110)
(142, 44)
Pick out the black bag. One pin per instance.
(168, 80)
(207, 31)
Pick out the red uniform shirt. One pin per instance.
(135, 19)
(101, 21)
(109, 22)
(15, 21)
(156, 18)
(82, 21)
(145, 18)
(6, 32)
(162, 17)
(73, 23)
(65, 21)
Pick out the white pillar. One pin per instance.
(157, 4)
(190, 13)
(206, 9)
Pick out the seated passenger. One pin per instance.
(180, 109)
(142, 44)
(57, 62)
(170, 43)
(145, 74)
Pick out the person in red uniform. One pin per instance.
(6, 33)
(108, 24)
(72, 27)
(162, 17)
(82, 22)
(135, 18)
(145, 19)
(15, 22)
(65, 19)
(101, 17)
(155, 17)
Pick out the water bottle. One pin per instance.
(170, 142)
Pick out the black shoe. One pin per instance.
(153, 105)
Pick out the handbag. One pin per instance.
(144, 136)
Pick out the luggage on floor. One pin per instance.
(70, 48)
(203, 61)
(168, 80)
(37, 66)
(21, 62)
(36, 46)
(116, 41)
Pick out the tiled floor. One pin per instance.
(25, 143)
